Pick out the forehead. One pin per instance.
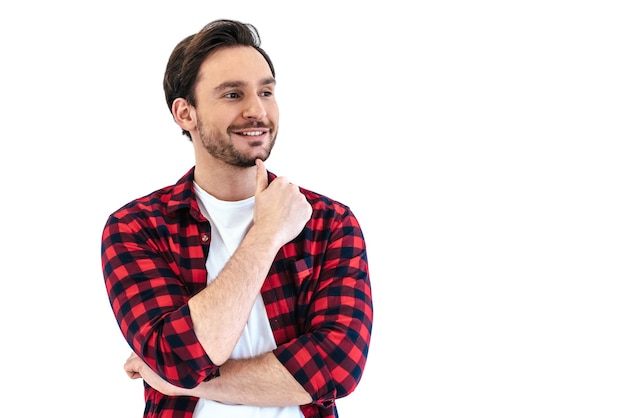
(236, 63)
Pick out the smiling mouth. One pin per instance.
(251, 133)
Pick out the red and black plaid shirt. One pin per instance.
(317, 295)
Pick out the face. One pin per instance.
(236, 112)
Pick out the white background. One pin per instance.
(479, 143)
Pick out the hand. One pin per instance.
(136, 368)
(280, 208)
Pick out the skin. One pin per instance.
(233, 127)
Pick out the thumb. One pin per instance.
(261, 176)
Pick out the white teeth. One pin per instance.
(255, 133)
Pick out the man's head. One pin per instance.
(183, 67)
(219, 85)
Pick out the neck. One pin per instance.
(226, 182)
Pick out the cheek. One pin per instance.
(272, 113)
(215, 120)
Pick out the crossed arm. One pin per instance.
(260, 381)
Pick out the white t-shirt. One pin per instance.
(230, 221)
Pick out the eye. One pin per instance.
(232, 95)
(267, 93)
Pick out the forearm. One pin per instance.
(220, 311)
(260, 381)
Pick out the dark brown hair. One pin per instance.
(185, 60)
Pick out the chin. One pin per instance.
(248, 162)
(262, 154)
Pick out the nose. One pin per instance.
(254, 108)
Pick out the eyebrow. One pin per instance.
(234, 84)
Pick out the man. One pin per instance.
(240, 293)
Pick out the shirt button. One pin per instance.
(205, 237)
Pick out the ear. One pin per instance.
(184, 114)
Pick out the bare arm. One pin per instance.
(220, 311)
(259, 381)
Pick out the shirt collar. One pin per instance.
(182, 195)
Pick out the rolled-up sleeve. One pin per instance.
(329, 356)
(148, 292)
